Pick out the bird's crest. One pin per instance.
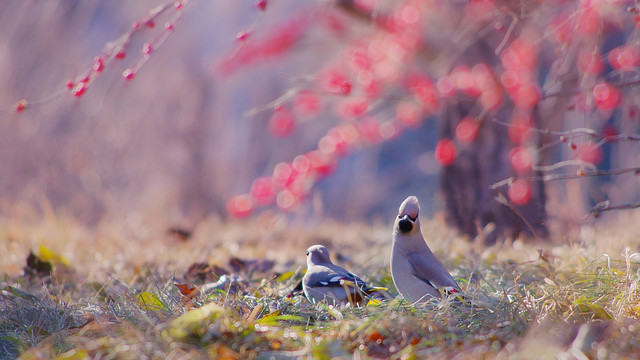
(410, 206)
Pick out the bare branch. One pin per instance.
(578, 175)
(606, 206)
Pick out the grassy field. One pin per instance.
(112, 293)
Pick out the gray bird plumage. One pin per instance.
(325, 281)
(416, 272)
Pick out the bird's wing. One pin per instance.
(330, 276)
(428, 269)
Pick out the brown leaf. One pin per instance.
(187, 291)
(203, 272)
(180, 233)
(249, 266)
(376, 337)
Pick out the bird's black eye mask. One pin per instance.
(413, 219)
(406, 223)
(307, 252)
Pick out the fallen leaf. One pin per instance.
(376, 337)
(203, 272)
(249, 266)
(285, 276)
(179, 233)
(193, 323)
(73, 354)
(187, 291)
(149, 301)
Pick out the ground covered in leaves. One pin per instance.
(124, 289)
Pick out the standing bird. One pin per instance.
(416, 272)
(325, 281)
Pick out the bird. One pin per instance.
(325, 281)
(416, 272)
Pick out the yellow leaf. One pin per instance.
(150, 301)
(193, 323)
(269, 319)
(50, 256)
(73, 354)
(599, 312)
(285, 276)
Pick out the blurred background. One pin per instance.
(194, 127)
(176, 141)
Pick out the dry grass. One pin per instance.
(574, 297)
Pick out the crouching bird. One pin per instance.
(325, 281)
(416, 272)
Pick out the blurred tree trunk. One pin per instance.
(471, 203)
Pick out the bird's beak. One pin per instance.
(405, 224)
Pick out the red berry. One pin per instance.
(445, 86)
(521, 159)
(490, 99)
(520, 55)
(262, 190)
(445, 152)
(526, 96)
(467, 130)
(353, 107)
(608, 131)
(98, 64)
(345, 88)
(21, 105)
(322, 164)
(282, 122)
(135, 25)
(301, 164)
(408, 114)
(338, 83)
(588, 20)
(369, 128)
(240, 206)
(178, 4)
(520, 128)
(243, 35)
(424, 90)
(79, 89)
(150, 24)
(607, 97)
(286, 200)
(168, 26)
(624, 57)
(519, 192)
(307, 104)
(261, 4)
(282, 174)
(121, 54)
(339, 140)
(128, 74)
(147, 49)
(70, 84)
